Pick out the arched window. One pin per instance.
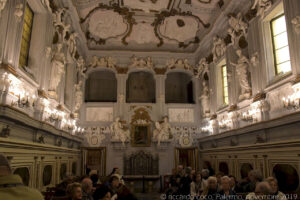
(101, 86)
(287, 177)
(23, 172)
(47, 175)
(245, 169)
(179, 88)
(223, 167)
(140, 88)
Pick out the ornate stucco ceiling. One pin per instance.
(147, 25)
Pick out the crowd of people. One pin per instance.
(185, 183)
(190, 184)
(91, 188)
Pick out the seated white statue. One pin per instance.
(119, 132)
(162, 131)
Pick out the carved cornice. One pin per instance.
(8, 68)
(259, 96)
(42, 94)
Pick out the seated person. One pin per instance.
(87, 189)
(226, 192)
(275, 190)
(11, 186)
(262, 190)
(197, 186)
(74, 191)
(212, 188)
(102, 193)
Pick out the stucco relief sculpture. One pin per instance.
(60, 27)
(202, 67)
(72, 44)
(254, 59)
(178, 64)
(219, 48)
(119, 132)
(106, 24)
(58, 62)
(46, 3)
(19, 12)
(296, 24)
(141, 63)
(2, 5)
(81, 66)
(105, 62)
(78, 96)
(179, 28)
(237, 28)
(241, 68)
(262, 6)
(162, 131)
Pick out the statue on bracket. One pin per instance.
(205, 98)
(58, 62)
(219, 48)
(162, 131)
(78, 96)
(241, 68)
(120, 133)
(261, 6)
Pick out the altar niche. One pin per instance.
(140, 88)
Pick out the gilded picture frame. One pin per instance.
(140, 136)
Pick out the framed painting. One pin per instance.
(140, 136)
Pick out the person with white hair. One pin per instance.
(205, 175)
(275, 190)
(226, 192)
(212, 188)
(254, 177)
(262, 191)
(11, 186)
(87, 189)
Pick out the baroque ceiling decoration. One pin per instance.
(179, 26)
(105, 22)
(146, 25)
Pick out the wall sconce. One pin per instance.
(226, 123)
(293, 100)
(251, 115)
(24, 100)
(208, 128)
(54, 115)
